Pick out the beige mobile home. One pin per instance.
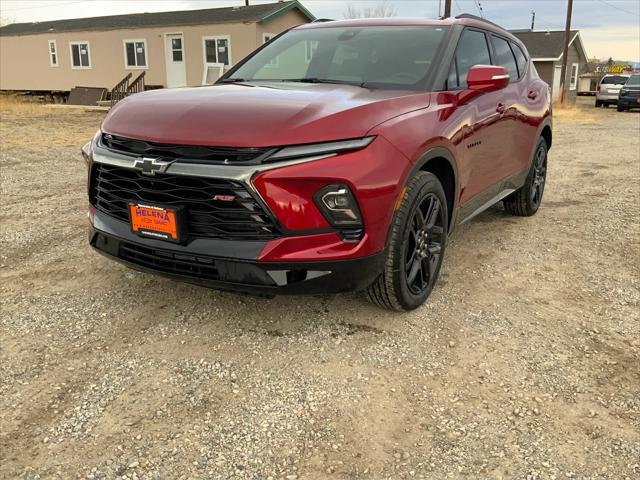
(174, 49)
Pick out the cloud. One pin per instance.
(619, 42)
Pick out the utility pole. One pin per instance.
(533, 19)
(565, 54)
(447, 9)
(246, 3)
(439, 8)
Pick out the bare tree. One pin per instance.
(6, 21)
(380, 10)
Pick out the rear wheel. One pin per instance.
(598, 103)
(525, 201)
(416, 246)
(620, 108)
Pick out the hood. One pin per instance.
(257, 116)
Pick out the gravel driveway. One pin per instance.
(524, 364)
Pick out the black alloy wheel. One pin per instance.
(416, 246)
(539, 176)
(422, 246)
(526, 201)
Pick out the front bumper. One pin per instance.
(205, 262)
(629, 102)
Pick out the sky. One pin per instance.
(609, 28)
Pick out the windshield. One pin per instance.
(634, 80)
(614, 79)
(382, 57)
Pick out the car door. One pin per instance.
(483, 142)
(532, 95)
(515, 149)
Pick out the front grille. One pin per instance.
(113, 188)
(192, 153)
(169, 262)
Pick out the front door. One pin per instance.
(555, 90)
(483, 139)
(174, 60)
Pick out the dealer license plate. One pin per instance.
(157, 222)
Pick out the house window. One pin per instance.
(135, 54)
(53, 53)
(80, 55)
(310, 47)
(217, 50)
(266, 37)
(573, 82)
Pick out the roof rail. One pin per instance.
(480, 19)
(322, 20)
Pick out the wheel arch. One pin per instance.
(547, 134)
(440, 162)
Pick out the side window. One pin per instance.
(504, 56)
(521, 60)
(472, 50)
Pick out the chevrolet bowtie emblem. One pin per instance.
(149, 166)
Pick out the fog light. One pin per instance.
(337, 204)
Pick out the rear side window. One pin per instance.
(521, 59)
(472, 50)
(504, 56)
(614, 79)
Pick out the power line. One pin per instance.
(479, 8)
(44, 6)
(618, 8)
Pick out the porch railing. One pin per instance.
(137, 85)
(120, 90)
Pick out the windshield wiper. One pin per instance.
(233, 80)
(325, 80)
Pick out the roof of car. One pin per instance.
(253, 13)
(467, 20)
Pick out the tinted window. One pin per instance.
(614, 79)
(504, 56)
(386, 57)
(472, 50)
(634, 80)
(521, 60)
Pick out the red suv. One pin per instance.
(336, 157)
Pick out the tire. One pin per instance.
(620, 109)
(416, 247)
(598, 103)
(525, 201)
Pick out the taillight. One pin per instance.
(598, 89)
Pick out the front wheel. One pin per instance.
(598, 103)
(416, 246)
(620, 109)
(525, 201)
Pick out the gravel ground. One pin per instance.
(524, 364)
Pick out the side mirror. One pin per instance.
(487, 78)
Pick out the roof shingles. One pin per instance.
(544, 44)
(252, 13)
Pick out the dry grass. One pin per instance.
(20, 117)
(573, 113)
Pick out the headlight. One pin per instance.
(312, 149)
(623, 92)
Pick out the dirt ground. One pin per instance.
(524, 364)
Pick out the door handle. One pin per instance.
(532, 95)
(501, 108)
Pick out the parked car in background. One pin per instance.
(608, 89)
(629, 96)
(345, 172)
